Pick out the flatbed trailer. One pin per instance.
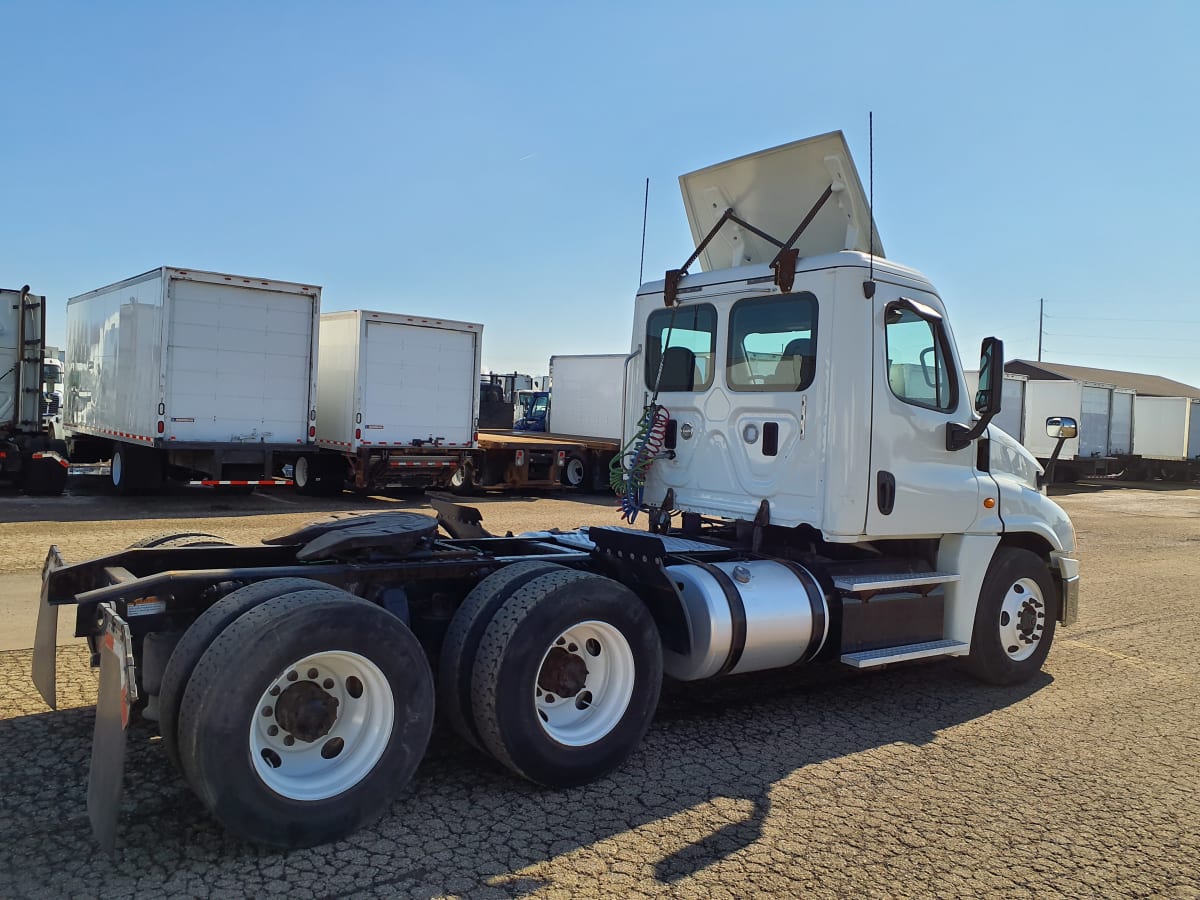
(509, 459)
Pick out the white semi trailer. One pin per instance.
(1166, 437)
(397, 402)
(806, 504)
(196, 375)
(1104, 414)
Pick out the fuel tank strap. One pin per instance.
(817, 605)
(737, 616)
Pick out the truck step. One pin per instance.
(865, 659)
(858, 584)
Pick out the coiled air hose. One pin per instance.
(628, 469)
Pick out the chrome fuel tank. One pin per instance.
(747, 616)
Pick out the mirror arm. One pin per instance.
(959, 437)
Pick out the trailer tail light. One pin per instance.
(3, 455)
(161, 427)
(358, 434)
(312, 430)
(520, 457)
(562, 457)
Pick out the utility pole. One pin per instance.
(1041, 316)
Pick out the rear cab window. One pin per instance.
(772, 343)
(689, 336)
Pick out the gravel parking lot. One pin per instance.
(914, 781)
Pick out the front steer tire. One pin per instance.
(1015, 619)
(573, 645)
(312, 790)
(202, 632)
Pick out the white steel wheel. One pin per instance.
(1022, 619)
(584, 683)
(322, 725)
(574, 472)
(1015, 618)
(302, 474)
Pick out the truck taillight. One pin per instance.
(520, 458)
(161, 427)
(358, 434)
(312, 430)
(562, 457)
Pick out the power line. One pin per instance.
(1119, 337)
(1126, 319)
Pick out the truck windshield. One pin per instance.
(51, 373)
(772, 343)
(688, 362)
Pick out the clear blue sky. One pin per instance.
(486, 162)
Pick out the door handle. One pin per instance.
(885, 491)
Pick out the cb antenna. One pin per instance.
(869, 287)
(645, 211)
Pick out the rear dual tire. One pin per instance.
(564, 676)
(305, 717)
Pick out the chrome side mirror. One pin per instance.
(1062, 427)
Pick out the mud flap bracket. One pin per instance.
(118, 693)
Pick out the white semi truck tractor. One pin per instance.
(819, 487)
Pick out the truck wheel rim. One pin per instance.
(458, 477)
(302, 472)
(574, 472)
(1022, 619)
(321, 725)
(117, 466)
(584, 683)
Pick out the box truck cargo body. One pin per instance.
(197, 374)
(586, 395)
(397, 400)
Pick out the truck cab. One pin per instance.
(819, 394)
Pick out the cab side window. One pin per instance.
(689, 334)
(918, 359)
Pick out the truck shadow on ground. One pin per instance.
(703, 777)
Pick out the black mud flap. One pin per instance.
(118, 693)
(45, 641)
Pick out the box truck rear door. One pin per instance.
(238, 363)
(418, 383)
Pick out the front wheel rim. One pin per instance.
(321, 725)
(1022, 622)
(584, 684)
(302, 472)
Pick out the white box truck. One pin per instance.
(397, 401)
(195, 375)
(31, 457)
(805, 508)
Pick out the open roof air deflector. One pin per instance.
(773, 190)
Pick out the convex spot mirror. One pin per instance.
(991, 372)
(1061, 427)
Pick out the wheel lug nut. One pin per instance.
(267, 711)
(272, 730)
(292, 675)
(327, 684)
(313, 673)
(288, 740)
